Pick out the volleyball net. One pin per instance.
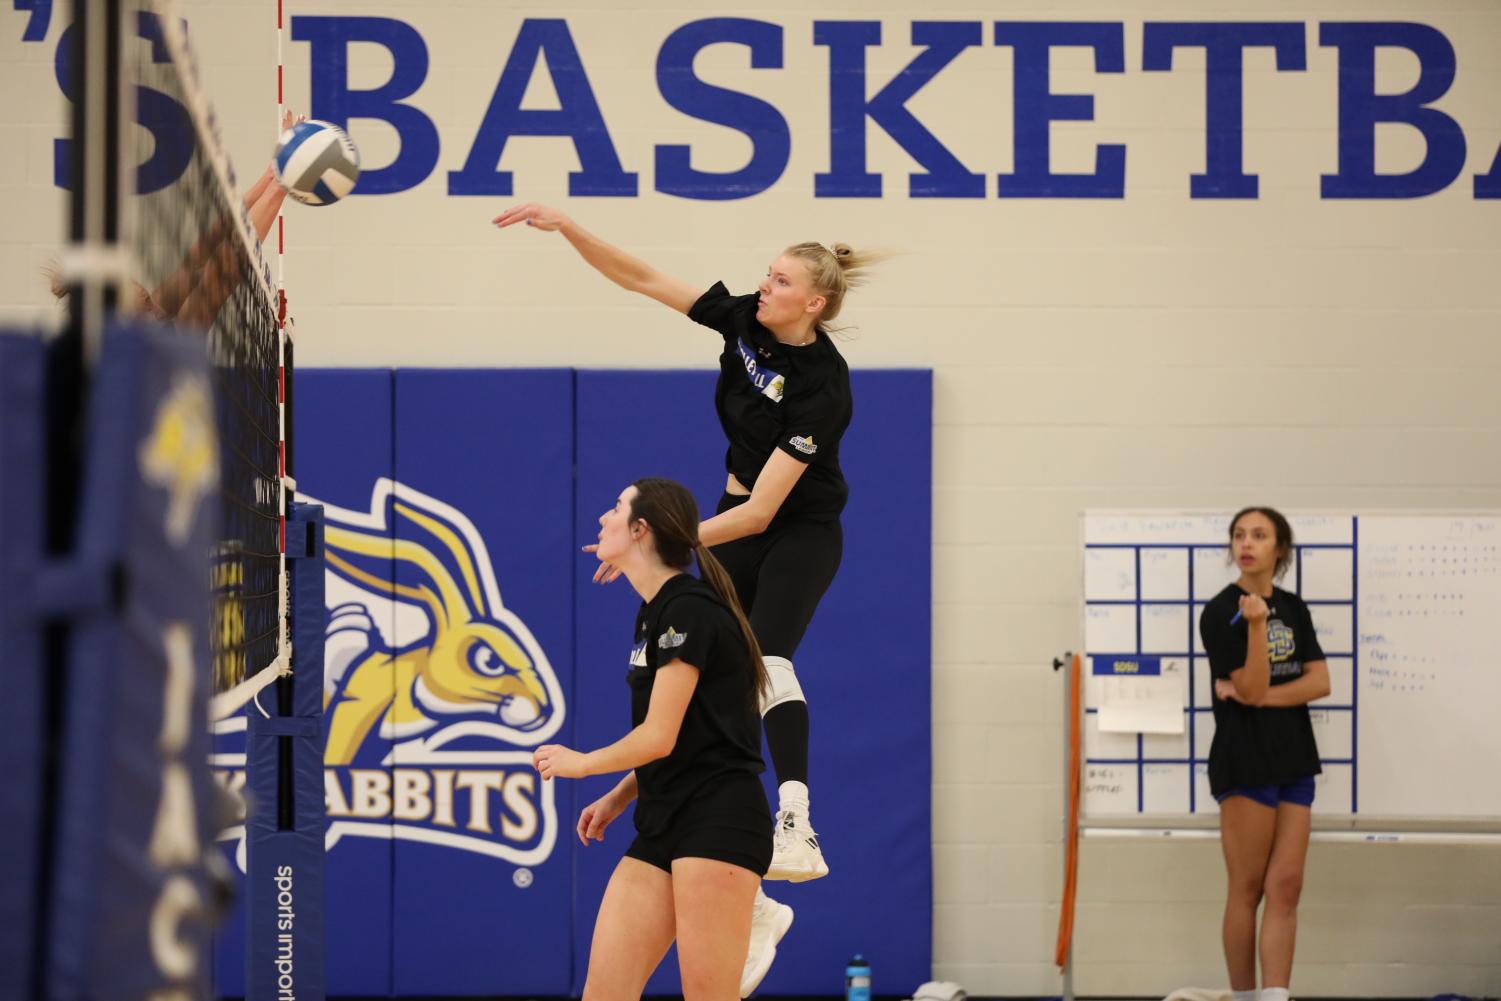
(195, 240)
(145, 485)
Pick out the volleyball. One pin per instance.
(317, 162)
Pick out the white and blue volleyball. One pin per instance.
(317, 163)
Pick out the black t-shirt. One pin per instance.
(721, 731)
(774, 396)
(1260, 745)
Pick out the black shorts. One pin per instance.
(728, 822)
(780, 576)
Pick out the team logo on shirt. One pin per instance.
(638, 654)
(768, 383)
(434, 691)
(1279, 641)
(671, 639)
(803, 445)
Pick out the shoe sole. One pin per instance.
(818, 873)
(798, 875)
(784, 921)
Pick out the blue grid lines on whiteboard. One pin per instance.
(1143, 597)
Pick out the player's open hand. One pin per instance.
(549, 220)
(606, 572)
(597, 816)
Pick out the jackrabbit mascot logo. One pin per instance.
(433, 690)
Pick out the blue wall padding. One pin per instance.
(525, 461)
(498, 447)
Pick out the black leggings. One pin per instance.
(780, 575)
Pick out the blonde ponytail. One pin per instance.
(835, 270)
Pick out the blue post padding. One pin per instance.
(284, 872)
(284, 953)
(306, 566)
(865, 666)
(22, 747)
(134, 802)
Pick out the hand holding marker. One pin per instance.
(1251, 601)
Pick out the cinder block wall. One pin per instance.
(1151, 349)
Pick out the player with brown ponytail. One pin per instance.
(692, 761)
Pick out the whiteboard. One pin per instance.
(1403, 604)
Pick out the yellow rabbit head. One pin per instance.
(477, 659)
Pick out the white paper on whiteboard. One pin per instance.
(1141, 704)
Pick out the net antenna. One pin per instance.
(286, 327)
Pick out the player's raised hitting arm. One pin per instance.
(630, 273)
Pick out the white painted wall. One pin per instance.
(1153, 350)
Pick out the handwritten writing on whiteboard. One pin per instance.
(1109, 789)
(1430, 592)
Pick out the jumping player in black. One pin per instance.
(692, 762)
(1267, 666)
(783, 400)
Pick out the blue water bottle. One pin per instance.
(857, 980)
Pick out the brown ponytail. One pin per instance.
(671, 512)
(719, 580)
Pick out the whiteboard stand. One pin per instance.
(1060, 663)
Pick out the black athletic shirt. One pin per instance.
(721, 731)
(1260, 745)
(773, 396)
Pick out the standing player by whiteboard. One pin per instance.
(1267, 666)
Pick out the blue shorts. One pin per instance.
(1299, 793)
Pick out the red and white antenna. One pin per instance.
(284, 341)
